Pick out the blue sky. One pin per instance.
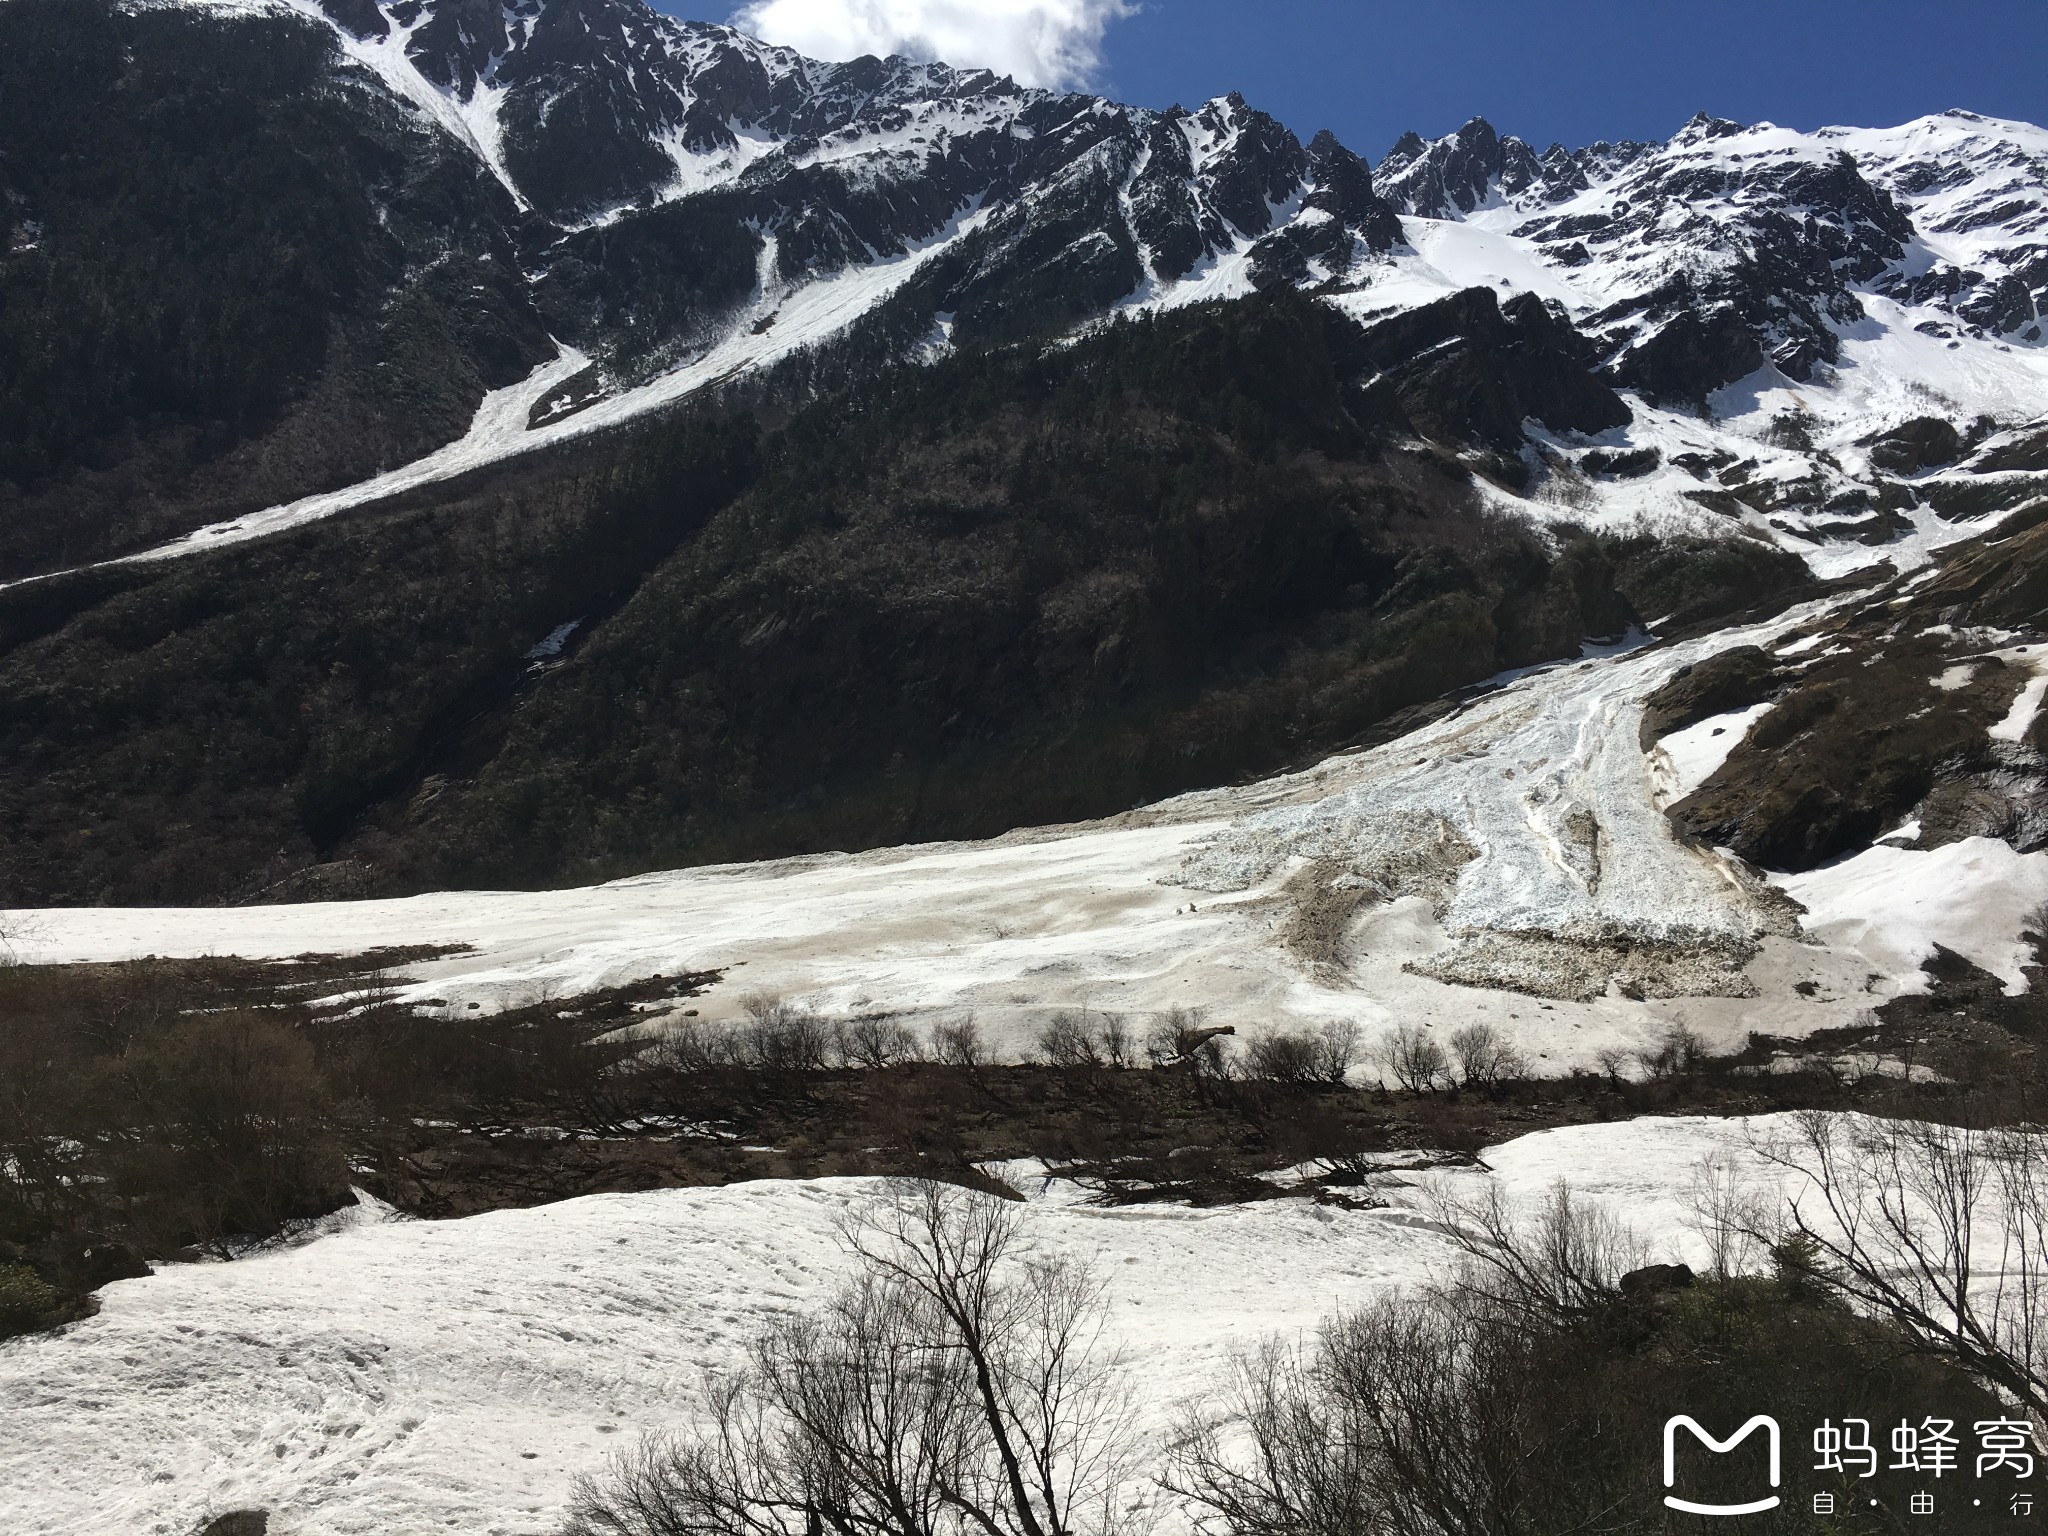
(1575, 70)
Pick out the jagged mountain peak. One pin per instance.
(695, 203)
(1703, 126)
(1458, 174)
(584, 107)
(632, 108)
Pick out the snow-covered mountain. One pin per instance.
(592, 112)
(559, 217)
(1729, 246)
(1598, 594)
(685, 204)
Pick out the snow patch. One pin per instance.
(1893, 905)
(2020, 718)
(1688, 758)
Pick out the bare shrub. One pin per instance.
(1346, 1435)
(1729, 1214)
(1428, 1412)
(960, 1044)
(1182, 1040)
(779, 1037)
(1343, 1148)
(1336, 1051)
(2033, 926)
(1614, 1062)
(1302, 1057)
(17, 932)
(1554, 1262)
(688, 1047)
(957, 1384)
(1676, 1053)
(1524, 1401)
(1281, 1056)
(874, 1043)
(1487, 1061)
(1942, 1228)
(1068, 1040)
(1415, 1058)
(1119, 1047)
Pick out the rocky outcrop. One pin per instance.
(1469, 369)
(1926, 442)
(1447, 177)
(1728, 680)
(1889, 731)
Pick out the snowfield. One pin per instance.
(401, 1376)
(1510, 863)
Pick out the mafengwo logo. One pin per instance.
(1684, 1421)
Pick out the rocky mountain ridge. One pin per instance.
(678, 204)
(924, 456)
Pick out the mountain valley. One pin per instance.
(614, 639)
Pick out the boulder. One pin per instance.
(1653, 1278)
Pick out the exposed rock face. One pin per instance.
(1926, 442)
(1455, 175)
(1780, 277)
(1890, 725)
(1847, 755)
(1981, 186)
(1728, 680)
(1470, 369)
(1732, 247)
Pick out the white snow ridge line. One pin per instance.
(498, 431)
(798, 318)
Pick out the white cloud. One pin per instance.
(1056, 43)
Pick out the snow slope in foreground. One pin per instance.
(457, 1376)
(1199, 902)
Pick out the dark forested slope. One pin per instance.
(1015, 587)
(228, 276)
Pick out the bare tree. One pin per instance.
(1942, 1228)
(1119, 1049)
(1677, 1051)
(17, 933)
(1460, 1411)
(1727, 1210)
(1553, 1262)
(874, 1043)
(960, 1044)
(1614, 1064)
(1336, 1050)
(1486, 1060)
(1412, 1054)
(958, 1387)
(1067, 1040)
